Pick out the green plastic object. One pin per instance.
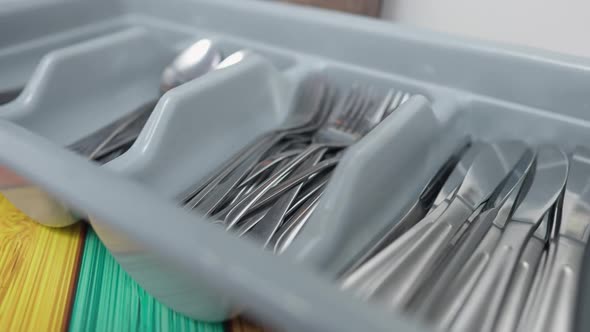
(107, 299)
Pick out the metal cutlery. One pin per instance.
(268, 190)
(507, 259)
(480, 310)
(266, 228)
(554, 305)
(441, 296)
(349, 119)
(342, 129)
(101, 145)
(311, 106)
(400, 278)
(438, 185)
(363, 277)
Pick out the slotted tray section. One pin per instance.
(90, 63)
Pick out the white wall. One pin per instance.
(558, 25)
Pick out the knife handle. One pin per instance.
(442, 309)
(404, 277)
(480, 309)
(404, 230)
(520, 285)
(361, 279)
(557, 303)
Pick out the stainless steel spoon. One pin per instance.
(196, 60)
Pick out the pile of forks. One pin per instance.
(494, 242)
(270, 188)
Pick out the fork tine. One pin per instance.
(405, 98)
(353, 116)
(381, 112)
(333, 95)
(377, 113)
(400, 98)
(399, 95)
(349, 110)
(356, 110)
(366, 109)
(341, 108)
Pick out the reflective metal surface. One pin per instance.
(554, 300)
(401, 277)
(486, 300)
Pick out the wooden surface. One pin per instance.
(243, 325)
(361, 7)
(38, 272)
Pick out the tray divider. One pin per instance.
(82, 87)
(375, 182)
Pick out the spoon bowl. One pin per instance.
(195, 61)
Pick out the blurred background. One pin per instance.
(558, 26)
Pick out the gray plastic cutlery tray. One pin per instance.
(84, 64)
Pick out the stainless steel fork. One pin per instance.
(354, 116)
(314, 98)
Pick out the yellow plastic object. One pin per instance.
(38, 270)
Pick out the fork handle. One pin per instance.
(199, 193)
(240, 209)
(214, 197)
(295, 224)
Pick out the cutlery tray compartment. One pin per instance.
(384, 173)
(198, 125)
(106, 59)
(80, 88)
